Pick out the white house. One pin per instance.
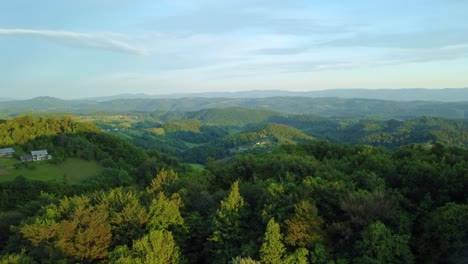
(40, 155)
(37, 155)
(7, 152)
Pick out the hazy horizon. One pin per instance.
(395, 94)
(92, 48)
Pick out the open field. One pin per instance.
(195, 165)
(75, 170)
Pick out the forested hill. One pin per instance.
(231, 116)
(257, 139)
(292, 105)
(278, 133)
(300, 201)
(20, 130)
(306, 203)
(194, 140)
(395, 133)
(389, 133)
(405, 94)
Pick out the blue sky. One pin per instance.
(86, 48)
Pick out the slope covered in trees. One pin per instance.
(308, 202)
(231, 116)
(390, 133)
(330, 106)
(256, 139)
(19, 130)
(305, 203)
(193, 140)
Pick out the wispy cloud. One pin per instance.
(407, 40)
(77, 39)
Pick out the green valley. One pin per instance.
(233, 184)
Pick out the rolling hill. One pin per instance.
(260, 138)
(231, 116)
(291, 105)
(405, 94)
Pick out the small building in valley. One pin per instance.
(37, 155)
(7, 152)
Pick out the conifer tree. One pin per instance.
(272, 250)
(226, 239)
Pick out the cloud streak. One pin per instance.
(409, 40)
(77, 39)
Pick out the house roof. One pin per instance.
(39, 152)
(7, 150)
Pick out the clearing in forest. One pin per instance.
(73, 170)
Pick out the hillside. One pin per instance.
(71, 170)
(330, 106)
(390, 133)
(43, 103)
(20, 130)
(339, 202)
(395, 133)
(231, 116)
(405, 94)
(277, 133)
(207, 135)
(257, 139)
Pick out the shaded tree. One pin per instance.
(226, 240)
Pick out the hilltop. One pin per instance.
(290, 105)
(403, 94)
(230, 116)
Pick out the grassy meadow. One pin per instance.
(75, 170)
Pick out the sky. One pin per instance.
(88, 48)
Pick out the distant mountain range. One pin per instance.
(413, 94)
(322, 106)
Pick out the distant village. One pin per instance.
(35, 155)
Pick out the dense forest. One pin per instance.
(328, 106)
(393, 191)
(220, 133)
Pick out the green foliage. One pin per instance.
(162, 181)
(395, 133)
(86, 228)
(445, 232)
(187, 125)
(240, 260)
(20, 130)
(298, 257)
(227, 236)
(379, 245)
(157, 247)
(127, 217)
(258, 139)
(272, 250)
(74, 229)
(305, 227)
(17, 259)
(334, 203)
(363, 207)
(164, 212)
(331, 106)
(231, 116)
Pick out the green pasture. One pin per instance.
(195, 166)
(75, 170)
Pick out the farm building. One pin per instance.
(37, 155)
(7, 152)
